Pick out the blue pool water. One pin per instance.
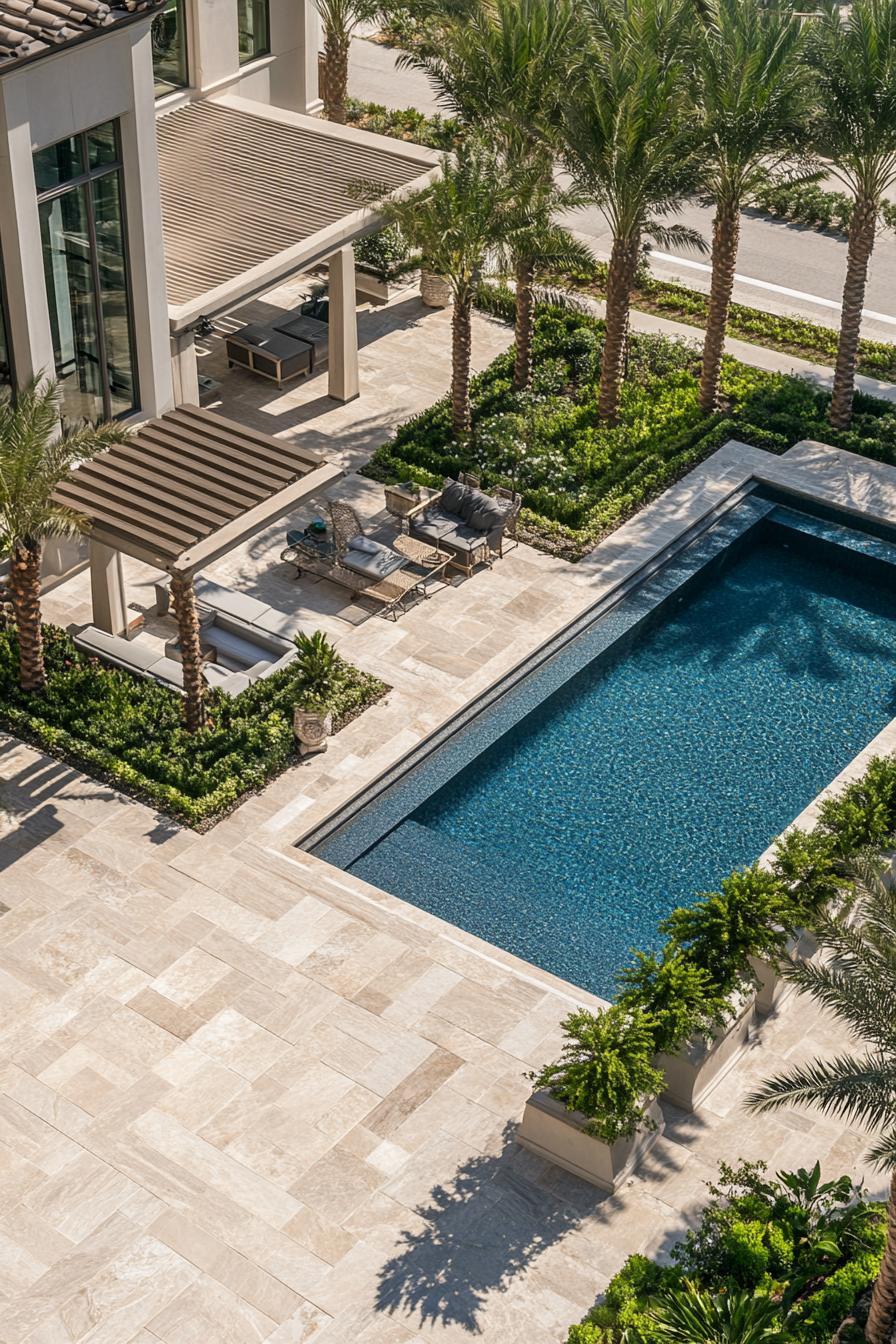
(651, 773)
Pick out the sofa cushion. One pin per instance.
(453, 497)
(487, 515)
(235, 647)
(360, 543)
(434, 526)
(374, 566)
(132, 654)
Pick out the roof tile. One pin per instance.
(28, 27)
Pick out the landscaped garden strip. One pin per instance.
(130, 731)
(809, 1246)
(581, 478)
(791, 335)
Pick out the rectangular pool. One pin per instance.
(667, 743)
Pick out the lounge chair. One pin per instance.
(347, 556)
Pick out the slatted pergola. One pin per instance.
(183, 491)
(189, 486)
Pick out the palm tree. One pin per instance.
(751, 98)
(35, 456)
(856, 983)
(534, 242)
(629, 142)
(339, 19)
(500, 69)
(691, 1316)
(854, 63)
(454, 223)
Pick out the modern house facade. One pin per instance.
(160, 164)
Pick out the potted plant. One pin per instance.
(698, 1030)
(594, 1111)
(435, 290)
(380, 259)
(317, 664)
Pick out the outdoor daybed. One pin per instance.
(465, 521)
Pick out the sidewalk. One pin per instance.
(759, 356)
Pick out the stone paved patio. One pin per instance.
(247, 1097)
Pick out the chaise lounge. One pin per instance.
(468, 523)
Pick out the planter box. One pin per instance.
(556, 1134)
(774, 990)
(369, 286)
(702, 1063)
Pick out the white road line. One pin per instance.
(777, 289)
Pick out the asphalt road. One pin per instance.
(774, 257)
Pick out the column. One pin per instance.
(184, 369)
(30, 334)
(107, 591)
(343, 378)
(295, 42)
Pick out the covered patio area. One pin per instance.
(179, 495)
(227, 164)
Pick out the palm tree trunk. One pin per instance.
(525, 317)
(184, 597)
(24, 581)
(725, 239)
(335, 91)
(861, 243)
(461, 347)
(882, 1315)
(620, 278)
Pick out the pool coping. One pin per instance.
(809, 470)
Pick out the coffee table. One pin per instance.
(393, 591)
(425, 557)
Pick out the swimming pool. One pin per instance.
(669, 741)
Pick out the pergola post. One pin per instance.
(184, 369)
(343, 317)
(107, 590)
(183, 595)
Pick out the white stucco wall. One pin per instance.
(108, 77)
(287, 77)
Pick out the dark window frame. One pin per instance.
(84, 179)
(9, 381)
(183, 28)
(259, 53)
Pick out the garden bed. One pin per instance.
(791, 335)
(580, 478)
(812, 1248)
(129, 732)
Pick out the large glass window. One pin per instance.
(169, 48)
(255, 29)
(81, 207)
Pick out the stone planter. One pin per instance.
(372, 287)
(556, 1134)
(703, 1062)
(773, 989)
(435, 290)
(311, 729)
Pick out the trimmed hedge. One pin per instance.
(129, 731)
(580, 478)
(816, 207)
(791, 335)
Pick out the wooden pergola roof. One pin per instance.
(188, 487)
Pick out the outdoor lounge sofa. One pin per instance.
(292, 345)
(243, 651)
(240, 606)
(468, 523)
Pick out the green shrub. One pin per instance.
(405, 123)
(130, 731)
(385, 254)
(604, 1071)
(676, 996)
(863, 814)
(317, 665)
(722, 929)
(807, 1246)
